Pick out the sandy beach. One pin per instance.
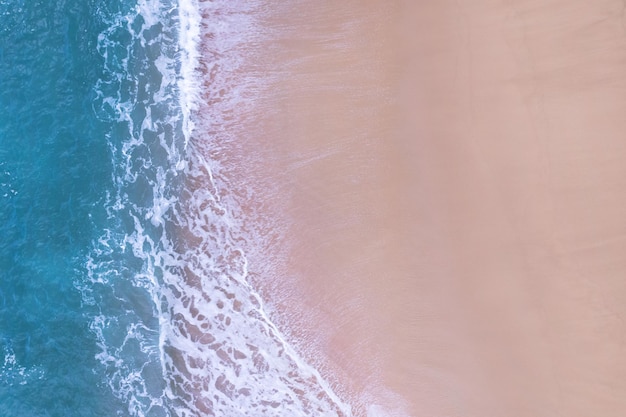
(449, 182)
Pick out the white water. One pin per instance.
(182, 332)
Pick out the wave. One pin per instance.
(181, 329)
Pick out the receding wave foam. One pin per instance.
(181, 330)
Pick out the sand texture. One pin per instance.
(452, 183)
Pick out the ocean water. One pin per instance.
(124, 282)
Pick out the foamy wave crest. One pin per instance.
(181, 330)
(139, 96)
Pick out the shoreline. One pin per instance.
(330, 102)
(446, 184)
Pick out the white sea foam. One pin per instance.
(6, 188)
(182, 331)
(12, 373)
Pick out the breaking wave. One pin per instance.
(180, 328)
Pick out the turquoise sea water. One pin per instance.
(55, 168)
(124, 284)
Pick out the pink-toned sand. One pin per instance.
(452, 176)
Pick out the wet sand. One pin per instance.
(449, 179)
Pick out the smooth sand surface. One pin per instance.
(452, 176)
(516, 148)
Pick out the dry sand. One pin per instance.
(453, 179)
